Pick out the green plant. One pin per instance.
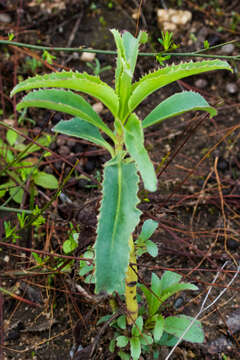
(118, 213)
(96, 69)
(71, 243)
(168, 44)
(16, 169)
(152, 328)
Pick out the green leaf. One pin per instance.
(47, 181)
(134, 140)
(11, 137)
(146, 339)
(157, 79)
(88, 84)
(148, 228)
(167, 340)
(168, 279)
(121, 322)
(71, 244)
(64, 101)
(122, 341)
(81, 129)
(176, 325)
(158, 328)
(135, 346)
(178, 104)
(152, 297)
(118, 219)
(16, 193)
(123, 355)
(137, 327)
(175, 288)
(152, 248)
(123, 74)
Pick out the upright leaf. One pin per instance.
(89, 84)
(134, 140)
(123, 75)
(81, 129)
(117, 220)
(157, 79)
(178, 104)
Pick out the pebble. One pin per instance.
(228, 49)
(98, 107)
(87, 57)
(61, 141)
(5, 18)
(232, 88)
(232, 244)
(71, 143)
(64, 150)
(170, 19)
(200, 83)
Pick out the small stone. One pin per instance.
(98, 107)
(71, 143)
(171, 19)
(231, 88)
(200, 83)
(228, 49)
(5, 18)
(232, 244)
(6, 259)
(90, 165)
(87, 57)
(64, 150)
(61, 141)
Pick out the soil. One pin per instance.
(47, 313)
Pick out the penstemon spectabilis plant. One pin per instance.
(118, 217)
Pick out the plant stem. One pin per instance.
(131, 286)
(80, 49)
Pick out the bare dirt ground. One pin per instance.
(197, 204)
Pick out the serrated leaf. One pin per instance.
(178, 104)
(157, 79)
(123, 75)
(47, 181)
(122, 341)
(158, 328)
(134, 140)
(176, 325)
(81, 129)
(135, 347)
(117, 220)
(88, 84)
(64, 101)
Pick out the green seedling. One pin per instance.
(152, 328)
(115, 256)
(71, 243)
(96, 69)
(15, 170)
(168, 44)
